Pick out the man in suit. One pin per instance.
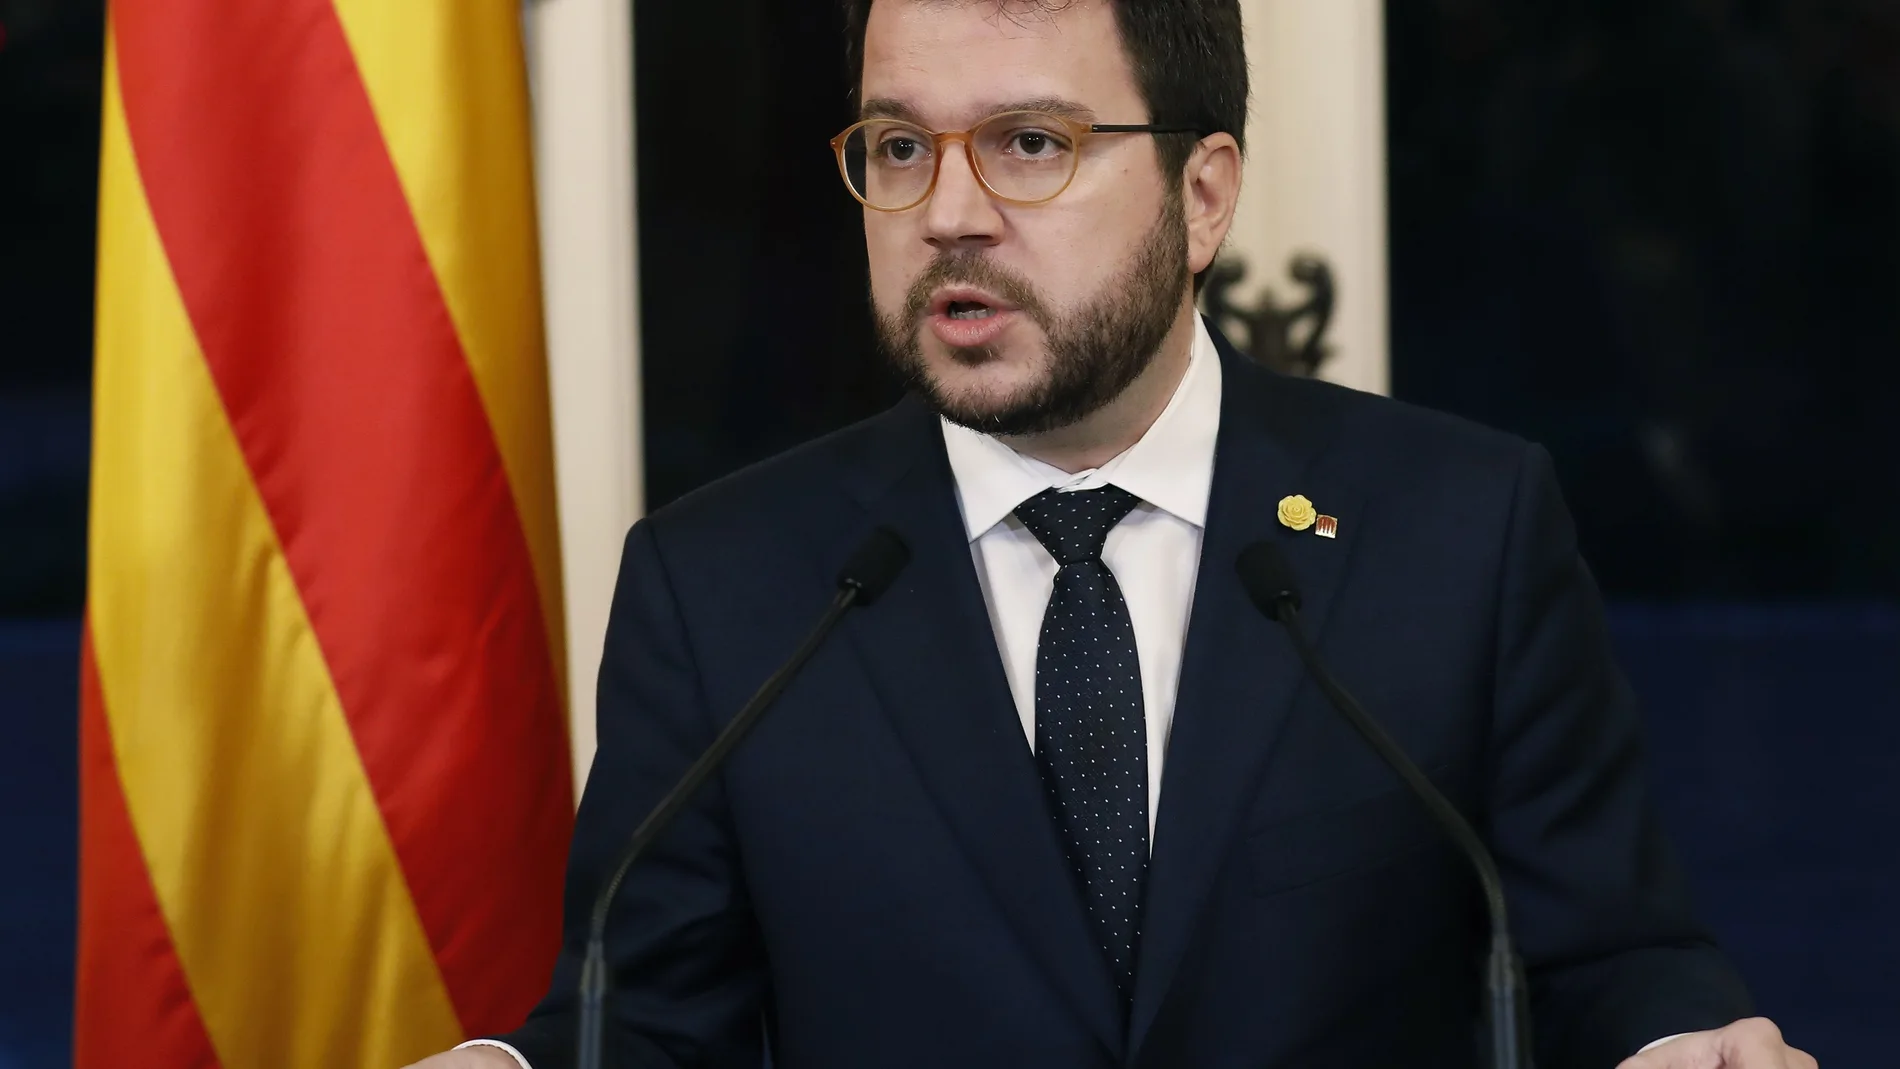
(1062, 798)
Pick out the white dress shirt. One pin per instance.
(1155, 552)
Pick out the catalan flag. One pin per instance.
(325, 798)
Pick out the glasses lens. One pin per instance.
(1025, 155)
(889, 164)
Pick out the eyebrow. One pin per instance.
(888, 108)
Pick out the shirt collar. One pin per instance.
(1171, 467)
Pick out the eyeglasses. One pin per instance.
(1022, 157)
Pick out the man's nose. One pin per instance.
(960, 212)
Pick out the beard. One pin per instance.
(1094, 351)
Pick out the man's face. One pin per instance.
(1071, 297)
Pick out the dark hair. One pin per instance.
(1189, 59)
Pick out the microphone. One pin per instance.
(1268, 578)
(866, 576)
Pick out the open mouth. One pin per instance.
(969, 310)
(967, 317)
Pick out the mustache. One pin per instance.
(973, 269)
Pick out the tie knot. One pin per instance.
(1073, 526)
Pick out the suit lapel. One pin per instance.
(932, 658)
(1239, 674)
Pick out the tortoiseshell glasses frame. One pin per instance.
(1019, 157)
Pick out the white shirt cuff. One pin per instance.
(512, 1052)
(1645, 1050)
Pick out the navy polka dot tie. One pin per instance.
(1091, 736)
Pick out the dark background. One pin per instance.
(1663, 236)
(1660, 236)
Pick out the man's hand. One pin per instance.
(1752, 1044)
(468, 1058)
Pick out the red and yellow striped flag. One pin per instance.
(325, 792)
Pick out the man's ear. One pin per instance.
(1211, 188)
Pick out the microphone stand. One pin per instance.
(1268, 580)
(869, 572)
(1504, 979)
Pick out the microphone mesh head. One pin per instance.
(1268, 578)
(875, 564)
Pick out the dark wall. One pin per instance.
(50, 62)
(755, 319)
(39, 832)
(1663, 237)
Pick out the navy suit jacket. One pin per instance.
(874, 880)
